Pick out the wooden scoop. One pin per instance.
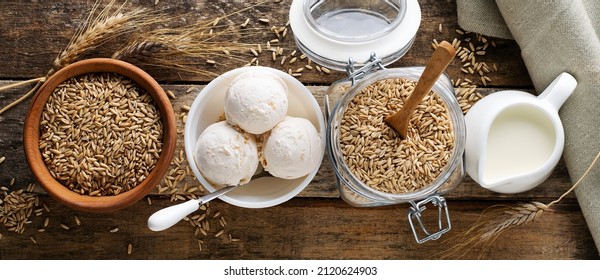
(442, 56)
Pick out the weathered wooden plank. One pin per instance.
(299, 229)
(317, 225)
(33, 33)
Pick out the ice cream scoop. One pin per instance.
(292, 149)
(256, 101)
(226, 156)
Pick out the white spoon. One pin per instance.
(167, 217)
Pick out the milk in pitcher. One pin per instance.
(520, 140)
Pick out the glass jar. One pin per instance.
(361, 37)
(332, 31)
(358, 193)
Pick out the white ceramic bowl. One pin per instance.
(209, 106)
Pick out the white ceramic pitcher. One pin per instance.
(515, 139)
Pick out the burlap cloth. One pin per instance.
(556, 36)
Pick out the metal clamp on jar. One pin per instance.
(361, 38)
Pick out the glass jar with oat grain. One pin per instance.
(372, 165)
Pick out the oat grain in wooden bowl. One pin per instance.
(100, 134)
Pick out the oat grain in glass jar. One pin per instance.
(373, 166)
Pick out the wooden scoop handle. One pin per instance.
(439, 61)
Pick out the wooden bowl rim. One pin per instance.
(31, 136)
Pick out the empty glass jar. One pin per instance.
(332, 31)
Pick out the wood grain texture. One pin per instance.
(328, 229)
(315, 225)
(33, 33)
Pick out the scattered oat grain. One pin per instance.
(171, 94)
(245, 23)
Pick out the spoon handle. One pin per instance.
(167, 217)
(442, 56)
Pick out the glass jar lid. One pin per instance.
(331, 32)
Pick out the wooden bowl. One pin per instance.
(32, 135)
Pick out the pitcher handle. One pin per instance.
(559, 90)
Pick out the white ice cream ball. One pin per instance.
(226, 156)
(292, 149)
(256, 101)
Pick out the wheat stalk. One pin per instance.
(176, 48)
(139, 50)
(110, 23)
(499, 218)
(514, 216)
(106, 26)
(38, 82)
(185, 47)
(493, 221)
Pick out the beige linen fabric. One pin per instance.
(556, 36)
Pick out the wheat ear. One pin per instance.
(139, 50)
(106, 26)
(183, 48)
(94, 32)
(500, 218)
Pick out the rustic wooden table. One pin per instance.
(315, 225)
